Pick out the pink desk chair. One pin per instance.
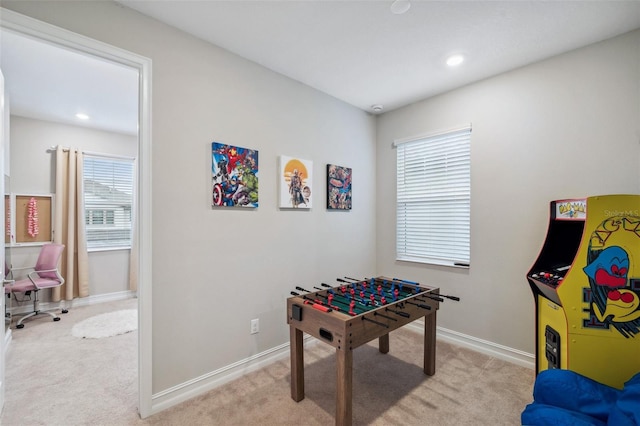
(44, 275)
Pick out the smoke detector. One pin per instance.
(399, 7)
(377, 109)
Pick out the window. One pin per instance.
(108, 197)
(434, 198)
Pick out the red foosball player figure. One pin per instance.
(351, 306)
(383, 300)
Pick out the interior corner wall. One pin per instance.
(216, 269)
(566, 127)
(33, 172)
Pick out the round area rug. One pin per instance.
(107, 325)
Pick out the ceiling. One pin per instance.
(52, 83)
(357, 51)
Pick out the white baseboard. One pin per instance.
(75, 303)
(8, 338)
(486, 347)
(199, 385)
(99, 298)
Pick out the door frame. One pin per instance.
(5, 332)
(28, 26)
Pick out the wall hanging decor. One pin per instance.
(338, 187)
(295, 178)
(234, 176)
(32, 218)
(28, 219)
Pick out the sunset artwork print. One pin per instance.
(338, 187)
(295, 176)
(234, 176)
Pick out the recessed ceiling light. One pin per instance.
(400, 6)
(455, 60)
(82, 116)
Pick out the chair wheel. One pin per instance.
(56, 319)
(64, 311)
(20, 326)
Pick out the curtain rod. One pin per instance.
(53, 148)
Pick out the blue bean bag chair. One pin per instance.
(563, 398)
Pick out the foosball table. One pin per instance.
(351, 314)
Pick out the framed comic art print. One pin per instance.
(234, 176)
(295, 181)
(338, 187)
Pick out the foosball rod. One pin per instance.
(328, 287)
(363, 300)
(347, 310)
(314, 303)
(456, 298)
(389, 286)
(385, 283)
(400, 313)
(338, 309)
(386, 308)
(375, 322)
(373, 287)
(419, 305)
(408, 294)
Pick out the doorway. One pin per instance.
(23, 26)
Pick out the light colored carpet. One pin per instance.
(55, 379)
(468, 389)
(107, 325)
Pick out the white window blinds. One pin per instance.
(434, 198)
(108, 199)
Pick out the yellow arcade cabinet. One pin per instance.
(586, 286)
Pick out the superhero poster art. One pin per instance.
(234, 176)
(338, 187)
(295, 177)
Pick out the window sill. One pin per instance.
(96, 249)
(436, 262)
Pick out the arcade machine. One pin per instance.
(586, 286)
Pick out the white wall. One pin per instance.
(547, 131)
(567, 127)
(33, 172)
(215, 270)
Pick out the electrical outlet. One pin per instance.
(255, 326)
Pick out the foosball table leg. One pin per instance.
(430, 344)
(344, 395)
(297, 364)
(383, 344)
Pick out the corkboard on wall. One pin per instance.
(24, 232)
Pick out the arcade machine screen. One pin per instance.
(557, 255)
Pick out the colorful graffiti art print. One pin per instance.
(338, 187)
(295, 177)
(234, 176)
